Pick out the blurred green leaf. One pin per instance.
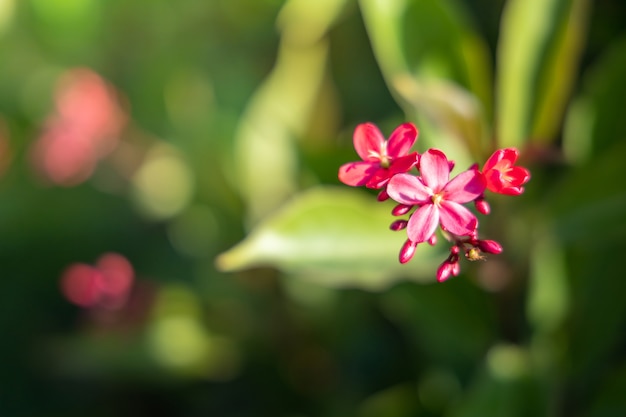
(588, 204)
(596, 122)
(608, 399)
(265, 155)
(436, 67)
(560, 71)
(537, 51)
(335, 237)
(464, 324)
(548, 298)
(441, 42)
(396, 401)
(7, 8)
(495, 392)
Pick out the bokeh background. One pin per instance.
(174, 240)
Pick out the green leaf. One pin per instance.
(335, 237)
(537, 51)
(608, 398)
(548, 299)
(588, 204)
(281, 108)
(559, 72)
(596, 120)
(506, 387)
(436, 67)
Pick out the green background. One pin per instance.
(264, 287)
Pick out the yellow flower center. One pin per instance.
(382, 156)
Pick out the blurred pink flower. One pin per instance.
(439, 200)
(381, 159)
(84, 128)
(106, 285)
(502, 176)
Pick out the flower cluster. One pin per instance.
(432, 199)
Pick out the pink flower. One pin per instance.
(106, 285)
(502, 176)
(84, 128)
(439, 200)
(381, 159)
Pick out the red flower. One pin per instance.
(502, 176)
(439, 200)
(381, 159)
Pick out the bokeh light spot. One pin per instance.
(7, 8)
(508, 362)
(178, 341)
(64, 11)
(163, 185)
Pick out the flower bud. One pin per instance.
(382, 195)
(490, 246)
(447, 269)
(401, 209)
(456, 268)
(444, 271)
(398, 225)
(482, 206)
(407, 251)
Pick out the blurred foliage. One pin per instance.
(261, 287)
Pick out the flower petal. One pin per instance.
(401, 140)
(408, 189)
(404, 163)
(465, 187)
(518, 175)
(508, 154)
(379, 178)
(357, 173)
(511, 190)
(435, 169)
(368, 142)
(457, 219)
(423, 223)
(493, 180)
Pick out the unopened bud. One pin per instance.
(401, 209)
(456, 268)
(407, 251)
(382, 195)
(447, 269)
(398, 225)
(482, 206)
(490, 246)
(444, 271)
